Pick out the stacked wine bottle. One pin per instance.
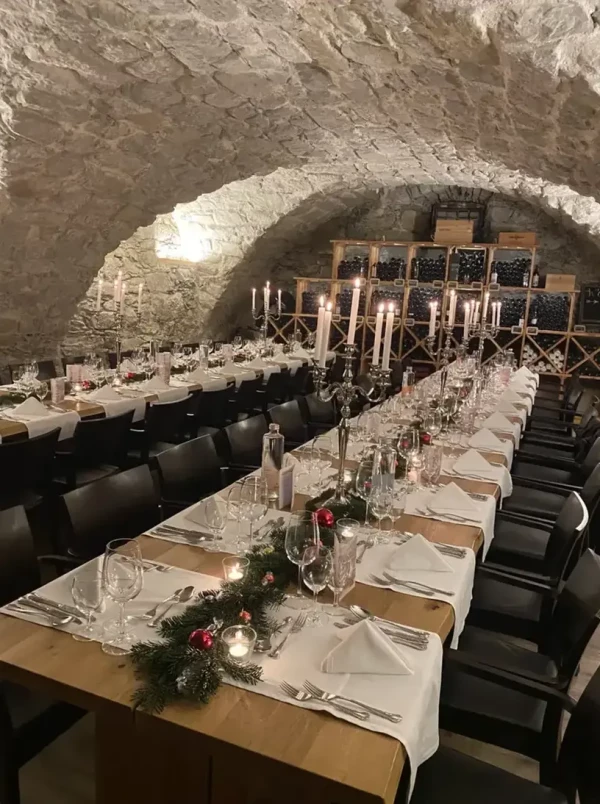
(471, 266)
(428, 269)
(394, 296)
(388, 270)
(511, 273)
(356, 267)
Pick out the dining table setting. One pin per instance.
(312, 660)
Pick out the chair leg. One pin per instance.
(550, 743)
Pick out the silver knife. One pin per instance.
(187, 531)
(27, 611)
(62, 607)
(53, 611)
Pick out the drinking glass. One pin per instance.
(432, 423)
(122, 580)
(86, 590)
(302, 532)
(399, 500)
(432, 464)
(214, 517)
(254, 502)
(343, 566)
(315, 570)
(234, 509)
(364, 482)
(381, 505)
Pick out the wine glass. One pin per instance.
(234, 510)
(432, 423)
(432, 464)
(343, 561)
(88, 596)
(122, 580)
(315, 570)
(301, 533)
(213, 516)
(364, 482)
(254, 502)
(381, 504)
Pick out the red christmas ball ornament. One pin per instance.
(426, 439)
(268, 577)
(324, 518)
(201, 639)
(245, 616)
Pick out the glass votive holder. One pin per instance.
(76, 388)
(239, 640)
(234, 568)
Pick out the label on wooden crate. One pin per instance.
(413, 283)
(580, 328)
(336, 318)
(532, 330)
(438, 283)
(375, 281)
(399, 283)
(516, 330)
(452, 284)
(477, 285)
(493, 286)
(409, 322)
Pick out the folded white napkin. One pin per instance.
(485, 439)
(127, 365)
(473, 463)
(453, 500)
(418, 554)
(499, 422)
(302, 353)
(155, 384)
(507, 407)
(30, 408)
(512, 396)
(212, 508)
(363, 648)
(198, 375)
(257, 362)
(105, 394)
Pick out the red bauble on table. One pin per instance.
(324, 518)
(201, 639)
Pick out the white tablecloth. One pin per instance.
(498, 475)
(136, 402)
(39, 425)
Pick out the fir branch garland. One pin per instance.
(173, 669)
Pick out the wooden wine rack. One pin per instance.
(579, 351)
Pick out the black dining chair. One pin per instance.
(564, 408)
(537, 501)
(244, 440)
(275, 391)
(486, 711)
(245, 401)
(300, 381)
(214, 409)
(291, 424)
(194, 427)
(559, 434)
(26, 468)
(555, 451)
(121, 506)
(319, 416)
(29, 721)
(189, 472)
(451, 777)
(98, 449)
(537, 545)
(165, 424)
(571, 477)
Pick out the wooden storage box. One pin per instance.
(521, 239)
(458, 233)
(560, 282)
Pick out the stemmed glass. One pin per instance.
(122, 581)
(88, 596)
(364, 482)
(432, 464)
(343, 561)
(302, 533)
(432, 423)
(381, 506)
(213, 516)
(234, 510)
(253, 502)
(316, 569)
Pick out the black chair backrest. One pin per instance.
(396, 375)
(213, 408)
(189, 471)
(26, 465)
(319, 411)
(46, 370)
(102, 441)
(19, 572)
(580, 749)
(591, 459)
(576, 614)
(590, 493)
(567, 532)
(586, 419)
(166, 421)
(289, 418)
(246, 394)
(121, 506)
(245, 440)
(298, 382)
(278, 385)
(573, 396)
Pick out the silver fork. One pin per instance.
(300, 695)
(398, 638)
(330, 697)
(446, 549)
(298, 625)
(383, 582)
(418, 585)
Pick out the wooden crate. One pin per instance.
(560, 282)
(458, 233)
(521, 239)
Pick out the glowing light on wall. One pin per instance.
(180, 237)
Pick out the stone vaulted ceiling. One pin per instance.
(114, 112)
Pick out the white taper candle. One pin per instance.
(325, 338)
(354, 311)
(378, 330)
(387, 341)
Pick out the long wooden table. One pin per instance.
(241, 746)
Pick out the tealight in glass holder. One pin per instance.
(239, 640)
(234, 568)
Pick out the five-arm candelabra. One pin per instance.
(345, 392)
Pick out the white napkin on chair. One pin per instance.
(363, 648)
(418, 554)
(453, 500)
(499, 422)
(473, 463)
(485, 439)
(31, 408)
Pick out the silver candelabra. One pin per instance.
(345, 392)
(446, 352)
(266, 318)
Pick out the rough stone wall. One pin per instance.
(236, 237)
(113, 113)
